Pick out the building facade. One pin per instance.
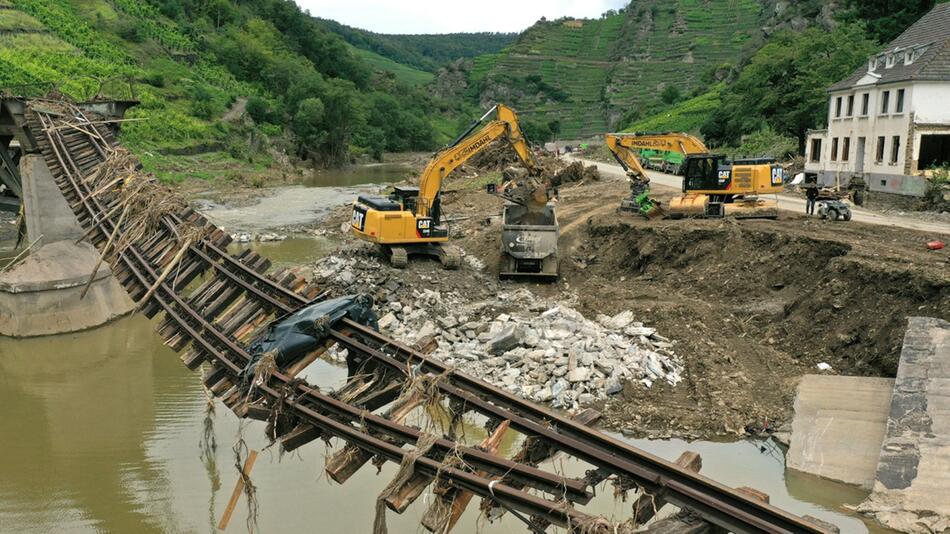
(889, 122)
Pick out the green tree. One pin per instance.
(257, 109)
(308, 125)
(554, 127)
(885, 19)
(202, 102)
(783, 86)
(670, 95)
(536, 132)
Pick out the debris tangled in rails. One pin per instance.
(254, 332)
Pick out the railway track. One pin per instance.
(215, 305)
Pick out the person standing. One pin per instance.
(811, 195)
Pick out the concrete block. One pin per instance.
(47, 213)
(41, 295)
(913, 474)
(838, 427)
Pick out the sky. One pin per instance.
(435, 16)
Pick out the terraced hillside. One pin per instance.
(593, 71)
(48, 44)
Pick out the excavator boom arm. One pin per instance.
(623, 145)
(446, 161)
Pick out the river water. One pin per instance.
(102, 432)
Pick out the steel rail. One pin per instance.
(717, 503)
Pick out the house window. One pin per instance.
(834, 149)
(816, 150)
(899, 108)
(846, 149)
(895, 148)
(885, 101)
(850, 105)
(880, 150)
(934, 151)
(865, 101)
(838, 107)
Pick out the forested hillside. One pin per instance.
(252, 81)
(424, 52)
(727, 68)
(190, 62)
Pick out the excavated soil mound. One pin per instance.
(810, 295)
(755, 306)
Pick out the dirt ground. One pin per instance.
(752, 305)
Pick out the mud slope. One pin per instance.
(754, 305)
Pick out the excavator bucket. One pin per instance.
(655, 212)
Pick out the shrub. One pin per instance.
(257, 109)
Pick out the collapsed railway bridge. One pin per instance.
(253, 332)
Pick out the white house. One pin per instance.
(889, 122)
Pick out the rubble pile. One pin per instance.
(543, 351)
(575, 172)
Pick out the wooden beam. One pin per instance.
(238, 488)
(647, 505)
(344, 464)
(448, 507)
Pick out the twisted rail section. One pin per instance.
(214, 304)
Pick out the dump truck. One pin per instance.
(529, 242)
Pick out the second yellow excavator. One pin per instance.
(713, 186)
(409, 221)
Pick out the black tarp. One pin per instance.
(295, 335)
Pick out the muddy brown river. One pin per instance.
(101, 432)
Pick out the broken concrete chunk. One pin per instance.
(387, 321)
(579, 374)
(428, 329)
(620, 321)
(509, 338)
(448, 322)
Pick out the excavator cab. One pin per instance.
(704, 172)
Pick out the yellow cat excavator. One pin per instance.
(713, 186)
(409, 221)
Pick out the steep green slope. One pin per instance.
(424, 52)
(402, 72)
(194, 65)
(686, 116)
(599, 69)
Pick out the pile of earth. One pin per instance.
(543, 350)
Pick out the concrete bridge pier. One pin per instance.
(41, 294)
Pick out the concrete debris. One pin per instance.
(267, 237)
(244, 237)
(543, 351)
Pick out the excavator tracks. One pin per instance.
(209, 306)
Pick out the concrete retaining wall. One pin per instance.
(839, 426)
(912, 487)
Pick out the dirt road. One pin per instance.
(785, 202)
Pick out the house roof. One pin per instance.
(929, 37)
